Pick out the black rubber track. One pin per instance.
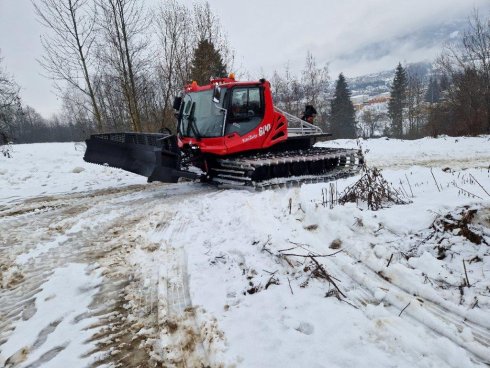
(289, 168)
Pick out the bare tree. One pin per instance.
(292, 93)
(69, 45)
(9, 90)
(476, 43)
(287, 91)
(279, 88)
(176, 41)
(371, 122)
(124, 23)
(75, 111)
(416, 111)
(113, 68)
(179, 30)
(315, 82)
(9, 109)
(467, 64)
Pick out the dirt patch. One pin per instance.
(46, 203)
(190, 341)
(171, 326)
(335, 244)
(10, 276)
(12, 212)
(17, 358)
(126, 330)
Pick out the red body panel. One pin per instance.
(270, 131)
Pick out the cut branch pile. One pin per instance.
(459, 223)
(314, 269)
(373, 190)
(467, 222)
(320, 272)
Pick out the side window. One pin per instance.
(239, 102)
(254, 103)
(245, 111)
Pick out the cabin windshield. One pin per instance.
(200, 116)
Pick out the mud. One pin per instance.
(101, 229)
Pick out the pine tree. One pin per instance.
(342, 114)
(398, 101)
(206, 63)
(433, 94)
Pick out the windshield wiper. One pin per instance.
(192, 121)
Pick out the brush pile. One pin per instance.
(374, 191)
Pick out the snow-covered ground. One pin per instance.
(98, 268)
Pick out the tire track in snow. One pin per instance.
(39, 269)
(127, 327)
(444, 321)
(50, 202)
(184, 344)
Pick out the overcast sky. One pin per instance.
(354, 36)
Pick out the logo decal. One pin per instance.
(265, 129)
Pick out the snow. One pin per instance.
(46, 169)
(67, 294)
(452, 152)
(101, 267)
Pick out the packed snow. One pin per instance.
(99, 268)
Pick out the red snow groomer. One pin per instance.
(234, 135)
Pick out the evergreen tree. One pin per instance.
(342, 114)
(206, 63)
(397, 101)
(433, 94)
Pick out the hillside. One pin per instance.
(377, 83)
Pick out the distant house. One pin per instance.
(374, 103)
(381, 98)
(358, 101)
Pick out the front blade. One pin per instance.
(153, 155)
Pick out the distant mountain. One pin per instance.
(377, 83)
(431, 36)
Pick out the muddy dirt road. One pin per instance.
(130, 308)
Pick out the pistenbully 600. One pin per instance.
(229, 133)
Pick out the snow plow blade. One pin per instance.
(154, 155)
